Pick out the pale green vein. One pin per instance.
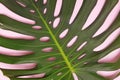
(60, 78)
(55, 40)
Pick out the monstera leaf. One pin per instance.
(60, 39)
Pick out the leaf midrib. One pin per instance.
(55, 40)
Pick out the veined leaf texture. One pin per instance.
(60, 39)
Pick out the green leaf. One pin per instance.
(53, 51)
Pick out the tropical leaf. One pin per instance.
(60, 39)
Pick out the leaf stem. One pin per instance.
(55, 41)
